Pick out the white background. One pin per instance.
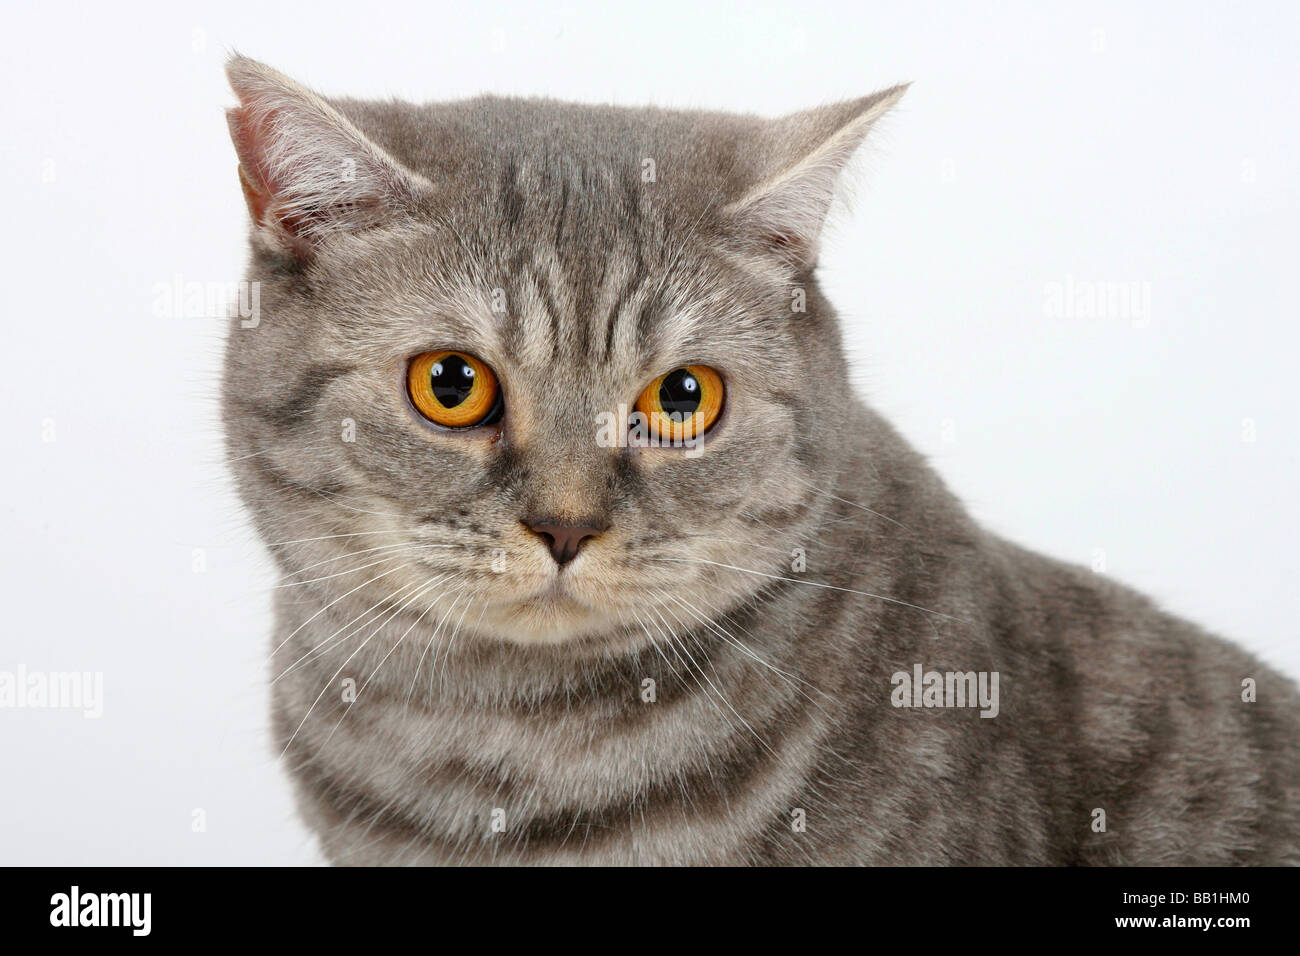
(1038, 144)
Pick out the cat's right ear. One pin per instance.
(805, 155)
(306, 171)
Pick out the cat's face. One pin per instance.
(570, 283)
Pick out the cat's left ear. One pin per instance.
(307, 172)
(803, 156)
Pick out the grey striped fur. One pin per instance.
(489, 727)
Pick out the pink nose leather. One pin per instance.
(564, 540)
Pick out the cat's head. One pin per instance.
(549, 371)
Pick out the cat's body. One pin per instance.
(713, 678)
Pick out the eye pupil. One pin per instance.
(679, 395)
(451, 380)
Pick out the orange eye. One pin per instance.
(454, 390)
(682, 404)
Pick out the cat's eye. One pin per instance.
(454, 390)
(682, 404)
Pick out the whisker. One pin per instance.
(329, 683)
(852, 504)
(351, 554)
(353, 534)
(722, 697)
(328, 606)
(423, 590)
(815, 584)
(789, 678)
(369, 613)
(340, 574)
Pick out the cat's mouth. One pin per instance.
(555, 596)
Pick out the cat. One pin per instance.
(746, 624)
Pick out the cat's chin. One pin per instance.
(548, 619)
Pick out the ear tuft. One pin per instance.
(305, 170)
(784, 214)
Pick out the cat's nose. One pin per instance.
(564, 540)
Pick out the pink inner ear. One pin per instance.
(782, 242)
(251, 137)
(257, 200)
(251, 130)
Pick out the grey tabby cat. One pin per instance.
(508, 632)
